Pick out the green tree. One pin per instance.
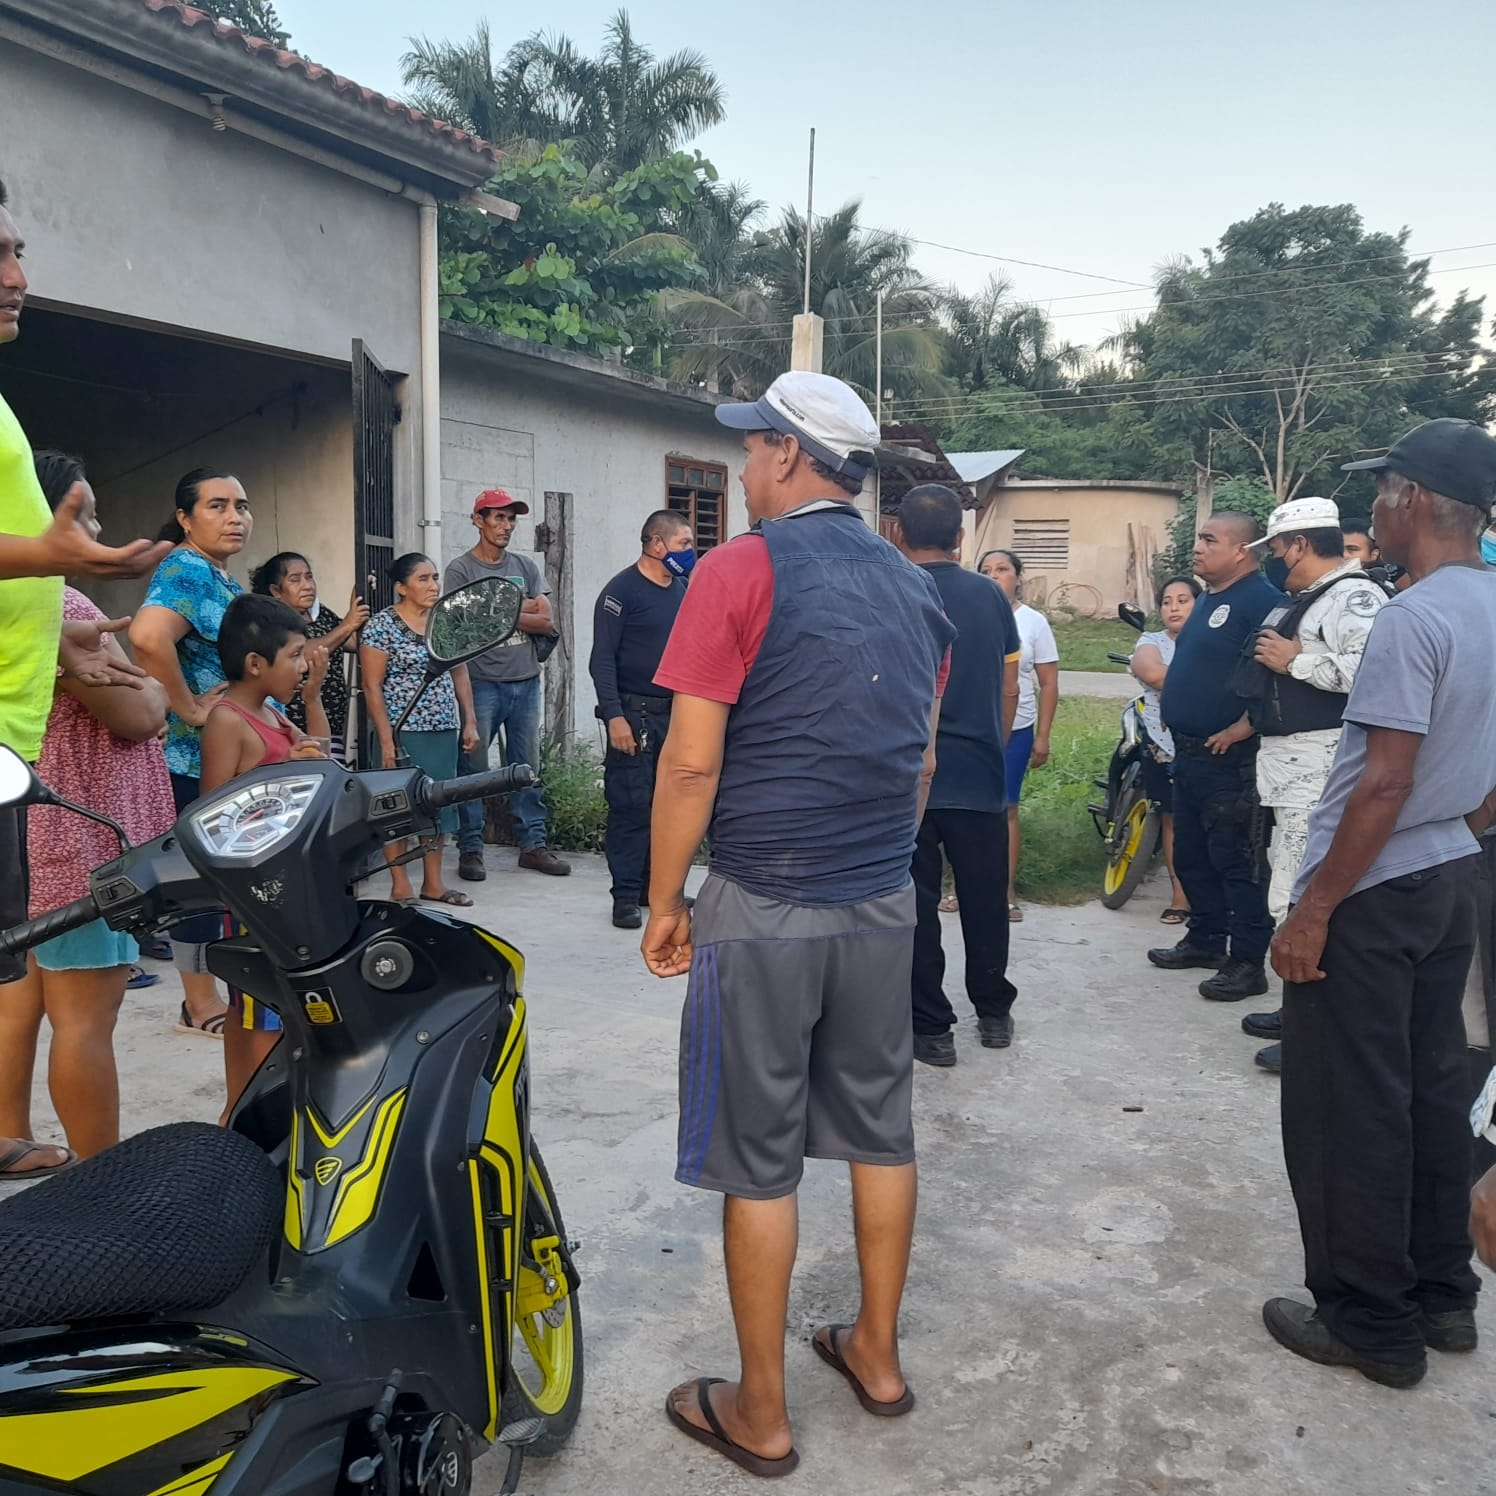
(741, 336)
(994, 340)
(253, 17)
(618, 110)
(1248, 495)
(584, 262)
(1302, 339)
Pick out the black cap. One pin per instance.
(1449, 457)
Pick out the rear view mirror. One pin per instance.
(472, 620)
(1133, 616)
(18, 784)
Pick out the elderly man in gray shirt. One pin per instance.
(506, 687)
(1375, 952)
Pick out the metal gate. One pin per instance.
(376, 413)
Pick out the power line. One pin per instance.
(907, 409)
(981, 254)
(1176, 301)
(687, 338)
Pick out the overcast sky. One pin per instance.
(1086, 134)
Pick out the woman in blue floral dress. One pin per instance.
(392, 661)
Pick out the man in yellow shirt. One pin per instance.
(38, 549)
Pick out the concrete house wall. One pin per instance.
(1098, 515)
(532, 419)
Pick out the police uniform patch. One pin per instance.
(1364, 603)
(1220, 615)
(612, 605)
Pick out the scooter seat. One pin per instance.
(170, 1220)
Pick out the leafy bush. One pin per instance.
(573, 779)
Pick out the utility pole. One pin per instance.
(809, 335)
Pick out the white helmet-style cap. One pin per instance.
(1298, 515)
(826, 416)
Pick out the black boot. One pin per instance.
(1183, 956)
(1234, 981)
(1263, 1025)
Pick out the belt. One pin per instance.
(647, 703)
(1185, 744)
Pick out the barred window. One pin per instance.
(696, 490)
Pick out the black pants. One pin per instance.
(1217, 852)
(1375, 1111)
(14, 886)
(977, 845)
(628, 787)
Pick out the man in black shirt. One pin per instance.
(1218, 840)
(630, 627)
(966, 814)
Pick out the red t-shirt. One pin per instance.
(722, 622)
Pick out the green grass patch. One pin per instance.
(1061, 862)
(1084, 642)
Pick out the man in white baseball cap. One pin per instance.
(806, 662)
(826, 417)
(1308, 651)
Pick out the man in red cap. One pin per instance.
(506, 686)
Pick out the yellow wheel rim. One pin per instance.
(546, 1373)
(1132, 839)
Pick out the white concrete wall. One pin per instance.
(136, 211)
(506, 423)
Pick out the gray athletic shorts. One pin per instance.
(796, 1041)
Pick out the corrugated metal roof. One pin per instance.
(974, 466)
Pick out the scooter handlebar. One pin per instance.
(49, 926)
(443, 792)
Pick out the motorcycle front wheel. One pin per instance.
(1131, 845)
(545, 1370)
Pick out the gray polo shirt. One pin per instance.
(514, 659)
(1430, 669)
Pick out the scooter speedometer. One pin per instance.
(253, 818)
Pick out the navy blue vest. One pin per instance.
(820, 773)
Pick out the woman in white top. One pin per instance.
(1151, 657)
(1038, 696)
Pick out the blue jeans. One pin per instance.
(512, 706)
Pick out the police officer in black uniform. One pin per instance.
(630, 627)
(1217, 840)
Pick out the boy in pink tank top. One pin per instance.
(266, 657)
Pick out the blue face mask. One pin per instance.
(1488, 549)
(679, 563)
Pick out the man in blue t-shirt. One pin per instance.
(1217, 842)
(966, 815)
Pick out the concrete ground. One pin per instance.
(1103, 1210)
(1098, 683)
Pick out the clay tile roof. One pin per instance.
(292, 62)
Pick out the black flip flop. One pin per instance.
(828, 1352)
(1174, 916)
(718, 1438)
(452, 898)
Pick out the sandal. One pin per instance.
(209, 1028)
(14, 1150)
(452, 897)
(827, 1350)
(716, 1437)
(1173, 916)
(948, 904)
(1015, 914)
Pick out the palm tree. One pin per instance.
(622, 108)
(618, 109)
(742, 333)
(457, 82)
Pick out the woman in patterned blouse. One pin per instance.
(288, 576)
(392, 661)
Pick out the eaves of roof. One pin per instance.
(187, 48)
